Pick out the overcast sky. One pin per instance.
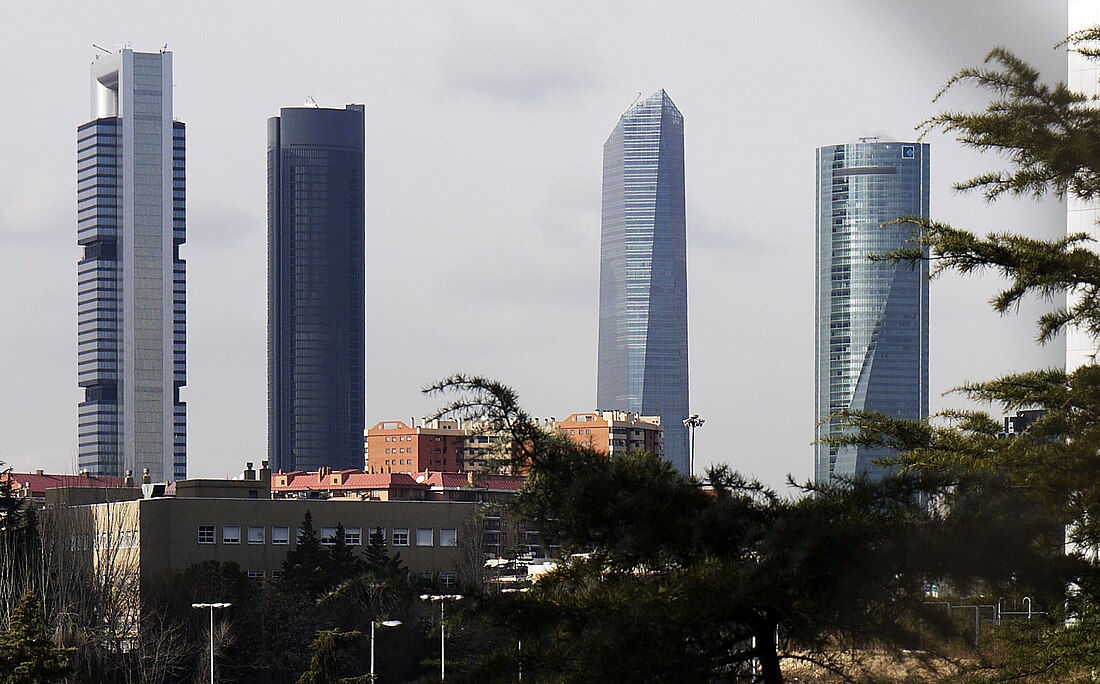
(485, 126)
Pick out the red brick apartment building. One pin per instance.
(394, 446)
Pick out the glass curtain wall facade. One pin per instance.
(131, 221)
(643, 342)
(872, 317)
(316, 283)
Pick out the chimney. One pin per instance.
(470, 478)
(129, 481)
(38, 472)
(145, 478)
(249, 473)
(265, 471)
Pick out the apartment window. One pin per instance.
(328, 536)
(447, 579)
(400, 536)
(255, 535)
(231, 534)
(206, 534)
(276, 574)
(280, 535)
(448, 537)
(257, 575)
(353, 536)
(424, 536)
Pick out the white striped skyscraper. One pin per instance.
(132, 283)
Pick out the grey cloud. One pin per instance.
(504, 52)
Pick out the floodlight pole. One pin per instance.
(212, 607)
(381, 623)
(442, 598)
(692, 422)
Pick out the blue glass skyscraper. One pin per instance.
(316, 279)
(872, 316)
(131, 222)
(643, 343)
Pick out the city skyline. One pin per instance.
(872, 316)
(483, 200)
(131, 221)
(643, 330)
(316, 318)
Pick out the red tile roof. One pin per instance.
(39, 483)
(508, 483)
(354, 480)
(357, 480)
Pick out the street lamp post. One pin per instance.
(380, 623)
(212, 607)
(691, 422)
(442, 599)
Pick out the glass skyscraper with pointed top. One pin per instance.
(643, 340)
(872, 316)
(132, 330)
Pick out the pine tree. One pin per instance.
(378, 563)
(1050, 136)
(305, 566)
(27, 655)
(342, 562)
(324, 666)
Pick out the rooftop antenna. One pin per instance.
(869, 138)
(105, 50)
(311, 101)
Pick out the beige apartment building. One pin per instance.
(615, 432)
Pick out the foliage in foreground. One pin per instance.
(676, 583)
(1050, 136)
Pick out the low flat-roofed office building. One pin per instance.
(155, 538)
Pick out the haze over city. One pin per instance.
(484, 133)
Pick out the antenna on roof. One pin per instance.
(311, 101)
(869, 138)
(101, 48)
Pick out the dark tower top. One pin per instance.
(316, 282)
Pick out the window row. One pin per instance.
(353, 536)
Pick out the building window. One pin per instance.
(448, 537)
(400, 536)
(206, 534)
(447, 579)
(257, 575)
(353, 536)
(276, 574)
(255, 535)
(231, 534)
(280, 535)
(424, 536)
(328, 536)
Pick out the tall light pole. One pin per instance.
(691, 422)
(212, 607)
(442, 598)
(380, 623)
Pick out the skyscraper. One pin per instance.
(643, 345)
(315, 294)
(872, 316)
(132, 330)
(1081, 215)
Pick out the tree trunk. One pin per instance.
(770, 672)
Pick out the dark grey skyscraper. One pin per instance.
(316, 312)
(132, 330)
(872, 317)
(643, 346)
